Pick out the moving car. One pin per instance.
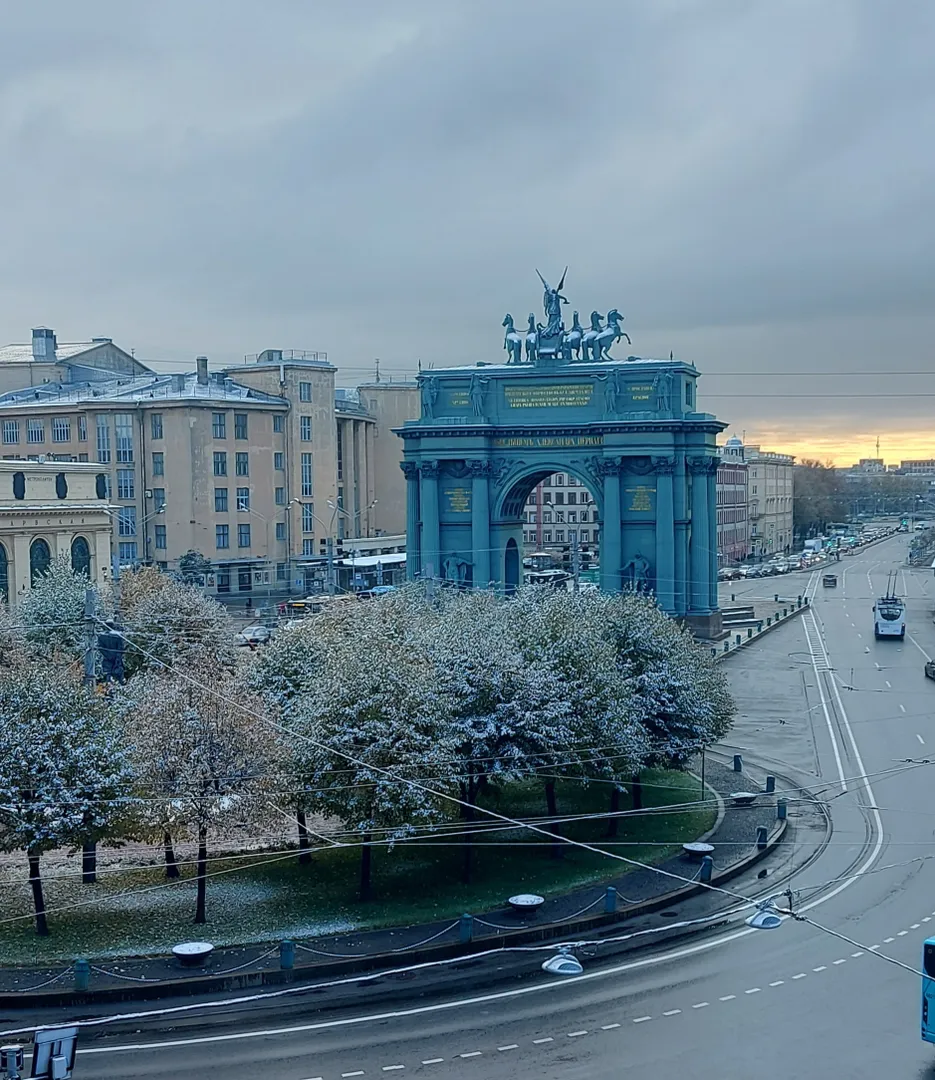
(829, 581)
(254, 635)
(930, 669)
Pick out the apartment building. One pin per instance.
(560, 512)
(770, 500)
(255, 466)
(733, 525)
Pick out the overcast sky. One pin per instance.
(750, 183)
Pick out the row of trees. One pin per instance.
(388, 717)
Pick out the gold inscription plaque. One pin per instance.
(640, 498)
(561, 395)
(548, 441)
(458, 500)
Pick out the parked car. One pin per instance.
(930, 669)
(254, 635)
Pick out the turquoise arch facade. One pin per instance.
(627, 429)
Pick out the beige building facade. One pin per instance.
(769, 491)
(255, 466)
(50, 510)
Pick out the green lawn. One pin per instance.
(412, 882)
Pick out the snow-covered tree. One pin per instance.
(52, 612)
(202, 754)
(166, 621)
(64, 771)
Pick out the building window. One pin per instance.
(280, 495)
(123, 436)
(305, 391)
(307, 477)
(305, 428)
(559, 517)
(308, 547)
(244, 580)
(219, 425)
(279, 460)
(159, 497)
(240, 425)
(572, 497)
(559, 480)
(82, 457)
(308, 517)
(160, 531)
(559, 536)
(688, 394)
(126, 521)
(280, 530)
(40, 556)
(11, 432)
(546, 517)
(222, 537)
(127, 552)
(125, 484)
(572, 517)
(242, 463)
(220, 500)
(35, 431)
(559, 498)
(547, 536)
(585, 536)
(155, 425)
(81, 556)
(340, 448)
(243, 536)
(159, 463)
(82, 428)
(61, 429)
(103, 440)
(220, 463)
(571, 480)
(243, 498)
(547, 496)
(532, 517)
(278, 424)
(281, 571)
(224, 581)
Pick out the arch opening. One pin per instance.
(81, 556)
(4, 574)
(40, 559)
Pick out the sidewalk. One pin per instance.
(640, 898)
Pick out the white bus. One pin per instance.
(889, 617)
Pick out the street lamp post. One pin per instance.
(331, 584)
(115, 551)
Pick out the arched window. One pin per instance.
(4, 574)
(40, 556)
(80, 556)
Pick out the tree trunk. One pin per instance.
(88, 864)
(305, 853)
(555, 849)
(202, 871)
(614, 809)
(172, 866)
(35, 883)
(366, 862)
(469, 795)
(636, 790)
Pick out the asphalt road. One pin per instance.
(833, 708)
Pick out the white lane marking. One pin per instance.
(538, 1042)
(509, 1046)
(871, 948)
(438, 1061)
(918, 646)
(701, 1005)
(313, 1078)
(915, 926)
(612, 1027)
(778, 982)
(902, 933)
(753, 990)
(823, 967)
(393, 1068)
(360, 1072)
(673, 1012)
(887, 940)
(854, 955)
(839, 962)
(919, 737)
(471, 1053)
(728, 997)
(578, 1034)
(902, 708)
(889, 685)
(927, 918)
(801, 975)
(875, 664)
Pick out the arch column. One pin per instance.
(664, 467)
(680, 500)
(712, 533)
(431, 532)
(611, 546)
(699, 555)
(413, 538)
(480, 521)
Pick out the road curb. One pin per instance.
(374, 964)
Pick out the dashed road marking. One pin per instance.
(887, 940)
(393, 1068)
(701, 1005)
(612, 1027)
(752, 990)
(839, 962)
(728, 997)
(902, 708)
(919, 737)
(801, 975)
(578, 1034)
(872, 948)
(854, 955)
(672, 1012)
(436, 1061)
(359, 1072)
(915, 926)
(473, 1053)
(889, 685)
(928, 918)
(509, 1046)
(538, 1042)
(778, 982)
(641, 1019)
(902, 933)
(823, 967)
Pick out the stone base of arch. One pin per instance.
(709, 626)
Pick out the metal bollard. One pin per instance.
(749, 632)
(781, 810)
(82, 974)
(287, 954)
(738, 639)
(770, 784)
(732, 597)
(800, 601)
(785, 612)
(466, 929)
(726, 646)
(769, 621)
(707, 866)
(738, 763)
(610, 900)
(776, 598)
(761, 834)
